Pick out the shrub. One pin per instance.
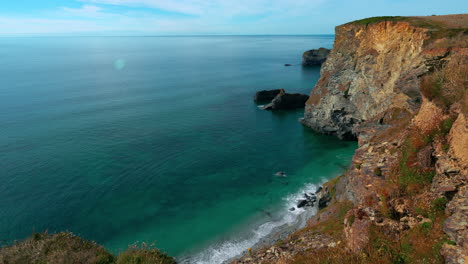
(144, 254)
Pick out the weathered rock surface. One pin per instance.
(285, 101)
(266, 95)
(315, 57)
(286, 251)
(370, 69)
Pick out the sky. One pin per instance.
(202, 17)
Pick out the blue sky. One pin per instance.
(204, 17)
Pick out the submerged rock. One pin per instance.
(266, 95)
(284, 101)
(315, 57)
(281, 174)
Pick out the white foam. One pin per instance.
(227, 250)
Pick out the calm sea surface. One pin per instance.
(156, 139)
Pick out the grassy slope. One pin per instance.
(67, 248)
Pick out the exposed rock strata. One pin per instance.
(369, 70)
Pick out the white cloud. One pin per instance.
(84, 11)
(210, 17)
(218, 7)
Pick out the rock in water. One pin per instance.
(285, 101)
(287, 65)
(281, 174)
(302, 203)
(315, 57)
(266, 95)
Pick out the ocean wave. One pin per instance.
(287, 222)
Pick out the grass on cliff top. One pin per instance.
(66, 247)
(372, 20)
(459, 22)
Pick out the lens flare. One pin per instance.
(119, 64)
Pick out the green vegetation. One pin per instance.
(43, 248)
(378, 171)
(439, 204)
(144, 255)
(410, 176)
(373, 20)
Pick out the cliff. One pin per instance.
(374, 67)
(398, 86)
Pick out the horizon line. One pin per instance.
(181, 35)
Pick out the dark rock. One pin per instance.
(323, 202)
(266, 95)
(292, 209)
(315, 57)
(302, 203)
(319, 189)
(280, 174)
(324, 198)
(287, 65)
(310, 198)
(284, 101)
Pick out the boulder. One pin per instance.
(266, 95)
(302, 203)
(315, 57)
(287, 65)
(284, 101)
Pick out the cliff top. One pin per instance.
(459, 21)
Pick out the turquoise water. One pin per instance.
(156, 139)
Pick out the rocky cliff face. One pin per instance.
(371, 69)
(399, 86)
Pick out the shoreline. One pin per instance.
(264, 233)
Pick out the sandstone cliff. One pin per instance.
(398, 86)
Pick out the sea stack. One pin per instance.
(315, 57)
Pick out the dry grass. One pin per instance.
(143, 254)
(66, 248)
(58, 248)
(446, 86)
(418, 245)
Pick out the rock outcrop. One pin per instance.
(286, 101)
(315, 57)
(370, 69)
(266, 95)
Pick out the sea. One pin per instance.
(157, 139)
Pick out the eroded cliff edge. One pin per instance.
(398, 86)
